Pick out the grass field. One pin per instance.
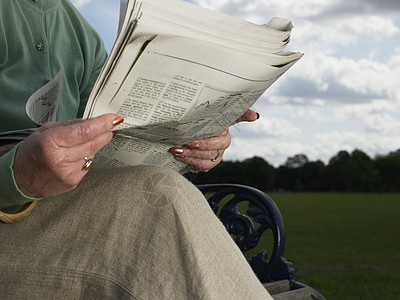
(347, 246)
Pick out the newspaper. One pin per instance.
(178, 73)
(41, 107)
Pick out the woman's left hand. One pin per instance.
(203, 155)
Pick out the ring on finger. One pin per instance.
(88, 164)
(215, 158)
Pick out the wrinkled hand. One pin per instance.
(203, 155)
(49, 162)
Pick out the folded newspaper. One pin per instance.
(177, 73)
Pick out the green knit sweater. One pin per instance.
(38, 38)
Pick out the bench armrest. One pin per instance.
(258, 215)
(249, 214)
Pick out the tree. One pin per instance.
(388, 172)
(366, 178)
(313, 176)
(297, 161)
(255, 172)
(258, 173)
(289, 175)
(346, 172)
(341, 172)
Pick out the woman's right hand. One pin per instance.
(49, 162)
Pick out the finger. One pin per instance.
(85, 163)
(220, 142)
(88, 148)
(77, 133)
(72, 172)
(203, 149)
(248, 116)
(202, 165)
(51, 125)
(199, 154)
(75, 169)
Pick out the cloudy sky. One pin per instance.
(344, 94)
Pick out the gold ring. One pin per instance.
(88, 164)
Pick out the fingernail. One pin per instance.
(177, 151)
(117, 121)
(258, 116)
(193, 145)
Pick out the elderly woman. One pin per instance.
(131, 233)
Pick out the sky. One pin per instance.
(344, 94)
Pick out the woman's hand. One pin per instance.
(203, 155)
(50, 161)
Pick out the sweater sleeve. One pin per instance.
(10, 195)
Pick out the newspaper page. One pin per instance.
(41, 107)
(175, 88)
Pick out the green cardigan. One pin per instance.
(38, 38)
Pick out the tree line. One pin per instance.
(345, 172)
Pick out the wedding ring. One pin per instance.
(215, 158)
(88, 164)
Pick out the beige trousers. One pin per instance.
(133, 233)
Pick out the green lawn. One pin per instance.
(347, 246)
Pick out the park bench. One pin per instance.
(250, 215)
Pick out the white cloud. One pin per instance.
(380, 116)
(329, 35)
(332, 142)
(382, 123)
(259, 9)
(80, 3)
(275, 152)
(366, 77)
(321, 147)
(322, 78)
(362, 110)
(376, 26)
(267, 127)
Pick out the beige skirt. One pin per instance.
(132, 233)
